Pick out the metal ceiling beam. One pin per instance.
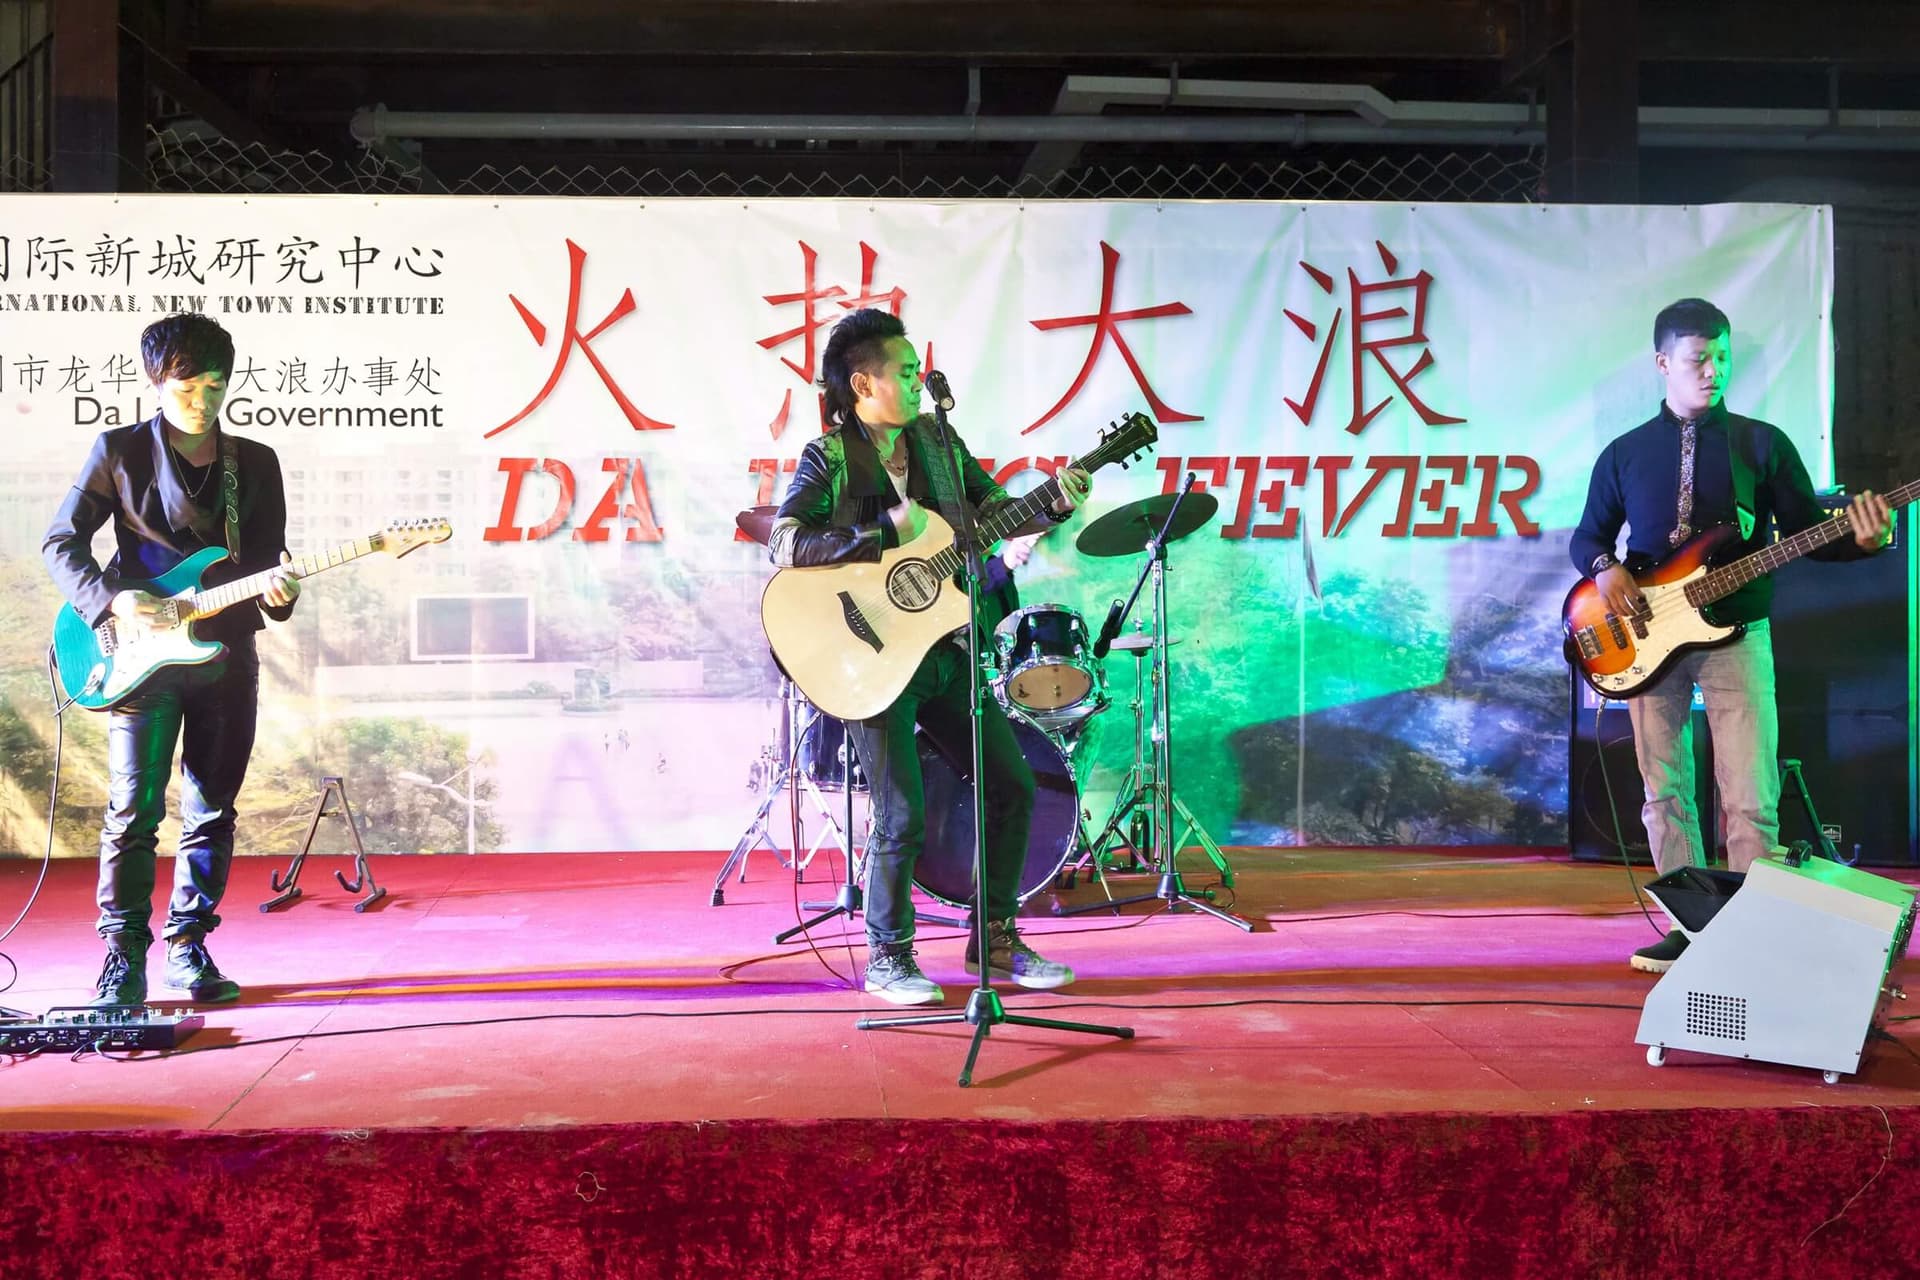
(1339, 114)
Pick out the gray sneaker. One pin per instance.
(123, 978)
(892, 975)
(1009, 958)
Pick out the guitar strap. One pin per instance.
(939, 469)
(1742, 447)
(230, 492)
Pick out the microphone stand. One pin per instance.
(984, 1009)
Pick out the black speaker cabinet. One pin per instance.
(1590, 823)
(1844, 666)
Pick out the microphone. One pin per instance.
(937, 384)
(1109, 630)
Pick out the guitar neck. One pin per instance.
(1003, 521)
(206, 603)
(1730, 578)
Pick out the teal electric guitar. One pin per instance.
(102, 666)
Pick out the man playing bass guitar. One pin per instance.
(856, 491)
(171, 487)
(1692, 466)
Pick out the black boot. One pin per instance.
(123, 978)
(191, 969)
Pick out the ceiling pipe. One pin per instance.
(1296, 114)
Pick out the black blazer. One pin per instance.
(129, 479)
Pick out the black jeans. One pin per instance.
(208, 710)
(936, 698)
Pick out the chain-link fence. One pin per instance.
(211, 164)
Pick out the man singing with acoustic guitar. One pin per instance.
(173, 486)
(857, 491)
(1690, 467)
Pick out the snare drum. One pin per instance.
(1047, 669)
(945, 866)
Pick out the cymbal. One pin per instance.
(1138, 642)
(757, 523)
(1125, 529)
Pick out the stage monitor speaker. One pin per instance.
(1844, 662)
(1792, 964)
(1590, 827)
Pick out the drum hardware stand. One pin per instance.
(758, 831)
(287, 889)
(849, 899)
(984, 1010)
(1152, 784)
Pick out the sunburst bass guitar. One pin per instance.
(852, 635)
(1620, 656)
(102, 666)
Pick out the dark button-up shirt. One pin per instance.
(1636, 483)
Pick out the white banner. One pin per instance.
(1396, 405)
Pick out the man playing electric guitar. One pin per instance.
(1691, 466)
(173, 486)
(857, 490)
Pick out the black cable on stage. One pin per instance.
(1613, 811)
(1054, 1006)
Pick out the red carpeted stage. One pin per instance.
(1419, 1064)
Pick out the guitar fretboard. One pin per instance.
(1026, 508)
(1728, 579)
(206, 603)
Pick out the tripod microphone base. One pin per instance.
(846, 902)
(984, 1012)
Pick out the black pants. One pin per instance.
(936, 698)
(209, 711)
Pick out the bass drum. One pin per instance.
(945, 868)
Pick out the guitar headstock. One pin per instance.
(402, 536)
(1123, 441)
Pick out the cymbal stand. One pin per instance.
(1127, 799)
(789, 776)
(1152, 784)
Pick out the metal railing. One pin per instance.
(26, 110)
(209, 163)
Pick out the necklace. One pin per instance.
(180, 465)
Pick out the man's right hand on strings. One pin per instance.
(1620, 591)
(909, 520)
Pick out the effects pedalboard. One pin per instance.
(123, 1027)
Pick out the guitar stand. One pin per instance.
(287, 890)
(1792, 779)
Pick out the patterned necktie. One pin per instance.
(1683, 523)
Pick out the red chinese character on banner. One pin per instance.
(1106, 328)
(812, 320)
(1362, 345)
(572, 337)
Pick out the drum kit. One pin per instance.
(1049, 676)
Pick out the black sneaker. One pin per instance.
(893, 975)
(1659, 957)
(123, 978)
(191, 969)
(1009, 958)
